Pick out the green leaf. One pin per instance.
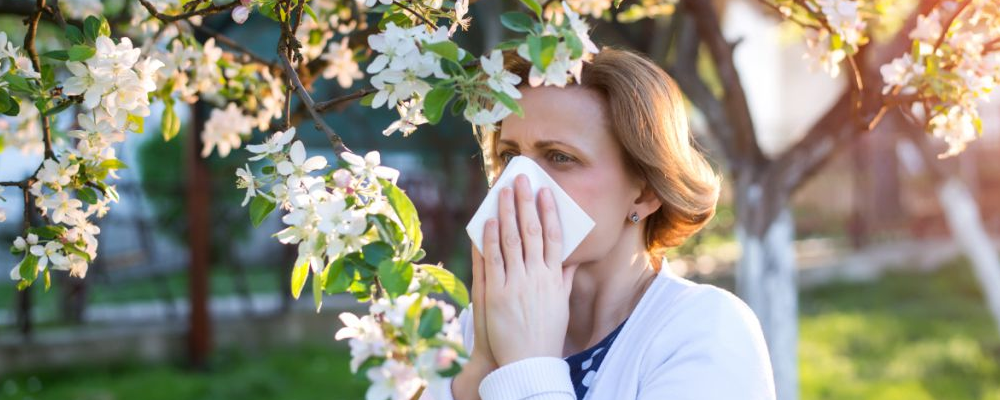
(410, 322)
(509, 102)
(80, 52)
(91, 28)
(395, 276)
(388, 230)
(451, 284)
(76, 250)
(534, 6)
(170, 124)
(112, 163)
(509, 44)
(62, 106)
(29, 267)
(318, 290)
(312, 14)
(61, 55)
(377, 252)
(367, 100)
(435, 102)
(407, 214)
(431, 322)
(446, 49)
(47, 231)
(517, 22)
(74, 35)
(299, 275)
(260, 208)
(19, 83)
(338, 277)
(87, 195)
(6, 102)
(458, 106)
(542, 49)
(136, 123)
(575, 45)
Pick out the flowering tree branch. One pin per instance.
(213, 9)
(300, 91)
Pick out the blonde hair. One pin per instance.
(647, 116)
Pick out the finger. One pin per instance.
(527, 220)
(493, 258)
(478, 279)
(510, 237)
(551, 228)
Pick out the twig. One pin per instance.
(951, 20)
(324, 106)
(226, 40)
(29, 46)
(790, 16)
(293, 77)
(416, 14)
(204, 11)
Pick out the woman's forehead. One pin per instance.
(571, 115)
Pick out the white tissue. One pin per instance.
(575, 223)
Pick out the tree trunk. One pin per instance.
(966, 225)
(766, 280)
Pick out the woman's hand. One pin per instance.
(526, 287)
(481, 361)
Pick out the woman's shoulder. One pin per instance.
(705, 304)
(702, 331)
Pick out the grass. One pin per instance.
(906, 336)
(305, 372)
(909, 336)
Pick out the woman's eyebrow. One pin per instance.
(552, 143)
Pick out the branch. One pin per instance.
(213, 9)
(734, 98)
(219, 37)
(29, 46)
(951, 20)
(324, 106)
(293, 78)
(422, 18)
(802, 160)
(685, 72)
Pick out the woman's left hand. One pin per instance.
(527, 288)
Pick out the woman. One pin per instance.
(612, 321)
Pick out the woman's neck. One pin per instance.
(606, 291)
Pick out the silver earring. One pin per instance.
(634, 217)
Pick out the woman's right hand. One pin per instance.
(481, 361)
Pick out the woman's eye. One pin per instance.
(506, 156)
(561, 158)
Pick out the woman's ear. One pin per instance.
(648, 202)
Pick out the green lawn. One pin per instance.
(907, 336)
(305, 372)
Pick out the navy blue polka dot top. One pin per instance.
(583, 365)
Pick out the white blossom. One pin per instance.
(223, 130)
(500, 79)
(368, 167)
(341, 64)
(274, 144)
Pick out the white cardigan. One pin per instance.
(683, 341)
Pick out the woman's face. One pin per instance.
(565, 131)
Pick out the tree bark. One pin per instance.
(766, 280)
